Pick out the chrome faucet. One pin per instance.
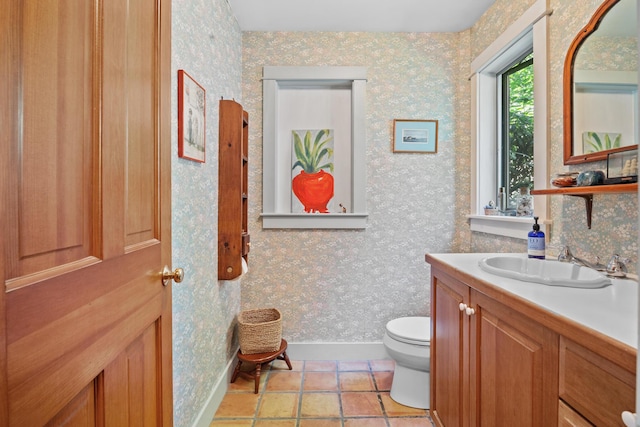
(616, 267)
(566, 256)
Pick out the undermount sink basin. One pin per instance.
(544, 271)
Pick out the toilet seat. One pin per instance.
(410, 330)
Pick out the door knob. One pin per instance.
(177, 275)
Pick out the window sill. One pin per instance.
(315, 221)
(508, 226)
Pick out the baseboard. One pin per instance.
(295, 351)
(215, 397)
(336, 351)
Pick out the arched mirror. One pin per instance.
(601, 85)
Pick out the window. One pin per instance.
(510, 57)
(515, 153)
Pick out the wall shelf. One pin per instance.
(587, 193)
(593, 189)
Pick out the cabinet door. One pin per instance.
(513, 368)
(449, 355)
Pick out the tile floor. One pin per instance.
(318, 394)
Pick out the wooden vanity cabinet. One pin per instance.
(490, 365)
(500, 360)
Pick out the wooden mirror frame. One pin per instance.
(592, 26)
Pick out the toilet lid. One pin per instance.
(412, 330)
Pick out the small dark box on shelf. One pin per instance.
(622, 167)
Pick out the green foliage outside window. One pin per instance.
(518, 166)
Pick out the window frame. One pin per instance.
(529, 32)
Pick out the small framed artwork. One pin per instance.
(415, 136)
(191, 118)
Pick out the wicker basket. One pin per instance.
(259, 330)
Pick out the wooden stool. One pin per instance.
(259, 359)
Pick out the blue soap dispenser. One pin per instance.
(535, 243)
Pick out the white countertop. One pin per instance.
(612, 310)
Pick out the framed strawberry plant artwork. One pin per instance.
(312, 171)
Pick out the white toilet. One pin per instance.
(407, 342)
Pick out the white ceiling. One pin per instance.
(358, 15)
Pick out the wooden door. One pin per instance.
(85, 321)
(449, 351)
(513, 367)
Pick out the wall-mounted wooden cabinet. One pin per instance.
(233, 189)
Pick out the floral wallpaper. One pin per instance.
(494, 22)
(344, 285)
(206, 43)
(608, 53)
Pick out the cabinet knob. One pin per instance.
(629, 419)
(469, 311)
(462, 306)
